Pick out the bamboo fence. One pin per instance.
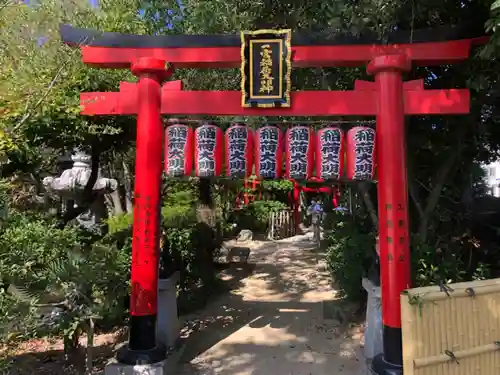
(452, 330)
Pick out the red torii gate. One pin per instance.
(294, 195)
(152, 58)
(298, 188)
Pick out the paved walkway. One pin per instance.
(283, 319)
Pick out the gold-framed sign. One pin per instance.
(266, 64)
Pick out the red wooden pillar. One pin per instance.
(336, 197)
(257, 187)
(142, 347)
(245, 192)
(392, 204)
(295, 200)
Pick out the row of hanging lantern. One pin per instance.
(304, 149)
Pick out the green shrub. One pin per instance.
(255, 215)
(45, 270)
(178, 215)
(350, 254)
(189, 246)
(177, 211)
(275, 186)
(17, 319)
(28, 243)
(4, 203)
(450, 262)
(119, 223)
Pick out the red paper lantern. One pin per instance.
(269, 152)
(299, 152)
(208, 149)
(178, 150)
(239, 151)
(329, 153)
(361, 153)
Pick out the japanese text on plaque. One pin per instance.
(266, 69)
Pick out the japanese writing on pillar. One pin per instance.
(397, 232)
(144, 230)
(364, 140)
(266, 69)
(268, 149)
(237, 138)
(298, 146)
(177, 138)
(206, 139)
(330, 147)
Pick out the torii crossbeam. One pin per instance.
(362, 101)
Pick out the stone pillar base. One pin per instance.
(380, 367)
(167, 324)
(158, 368)
(165, 367)
(373, 330)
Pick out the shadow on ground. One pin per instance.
(276, 314)
(284, 319)
(41, 360)
(260, 338)
(42, 357)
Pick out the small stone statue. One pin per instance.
(72, 182)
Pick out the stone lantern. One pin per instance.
(70, 185)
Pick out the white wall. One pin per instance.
(493, 178)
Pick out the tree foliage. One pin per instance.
(42, 80)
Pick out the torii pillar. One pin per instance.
(142, 347)
(395, 273)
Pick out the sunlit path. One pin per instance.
(278, 321)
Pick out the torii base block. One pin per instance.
(118, 368)
(166, 366)
(380, 366)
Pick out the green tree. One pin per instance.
(41, 83)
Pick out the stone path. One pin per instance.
(280, 320)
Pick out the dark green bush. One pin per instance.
(255, 215)
(450, 262)
(41, 265)
(350, 254)
(187, 246)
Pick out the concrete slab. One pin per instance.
(121, 369)
(166, 367)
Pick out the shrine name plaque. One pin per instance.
(265, 68)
